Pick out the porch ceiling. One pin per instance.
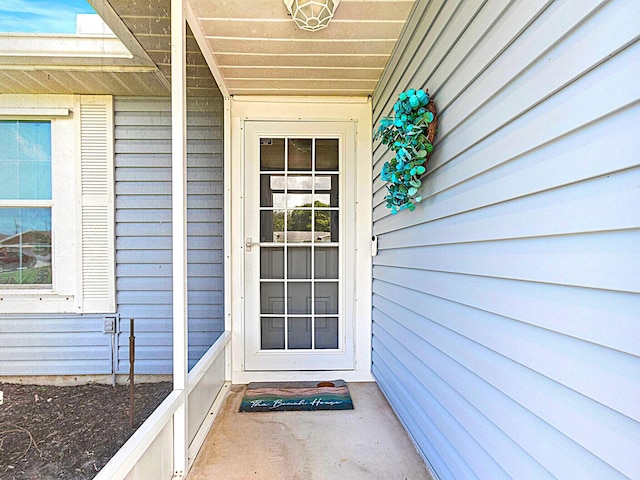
(258, 50)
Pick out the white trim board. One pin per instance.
(35, 112)
(301, 376)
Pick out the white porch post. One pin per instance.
(179, 219)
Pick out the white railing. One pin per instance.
(149, 451)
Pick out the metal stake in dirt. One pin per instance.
(132, 360)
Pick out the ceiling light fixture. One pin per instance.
(312, 15)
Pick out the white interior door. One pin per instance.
(299, 249)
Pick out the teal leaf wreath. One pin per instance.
(409, 135)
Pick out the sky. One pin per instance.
(41, 16)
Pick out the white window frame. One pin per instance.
(68, 292)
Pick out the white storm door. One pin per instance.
(299, 244)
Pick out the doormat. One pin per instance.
(292, 396)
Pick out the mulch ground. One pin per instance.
(71, 432)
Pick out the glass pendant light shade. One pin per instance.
(312, 15)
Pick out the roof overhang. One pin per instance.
(248, 47)
(106, 63)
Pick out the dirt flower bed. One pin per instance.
(71, 432)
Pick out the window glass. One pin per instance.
(25, 246)
(25, 160)
(25, 230)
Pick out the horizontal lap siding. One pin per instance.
(54, 345)
(205, 205)
(143, 228)
(506, 305)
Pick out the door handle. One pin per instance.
(250, 243)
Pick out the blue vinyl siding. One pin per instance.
(506, 306)
(143, 228)
(76, 344)
(54, 345)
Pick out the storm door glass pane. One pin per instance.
(272, 154)
(326, 226)
(326, 331)
(327, 190)
(299, 298)
(272, 333)
(272, 226)
(299, 191)
(299, 209)
(272, 191)
(326, 262)
(327, 154)
(299, 226)
(272, 262)
(300, 150)
(299, 262)
(272, 297)
(326, 297)
(299, 332)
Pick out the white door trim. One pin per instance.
(358, 111)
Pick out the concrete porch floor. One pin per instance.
(366, 443)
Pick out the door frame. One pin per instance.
(307, 109)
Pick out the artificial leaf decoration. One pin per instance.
(409, 134)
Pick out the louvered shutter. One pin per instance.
(97, 205)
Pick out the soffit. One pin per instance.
(149, 22)
(43, 80)
(258, 50)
